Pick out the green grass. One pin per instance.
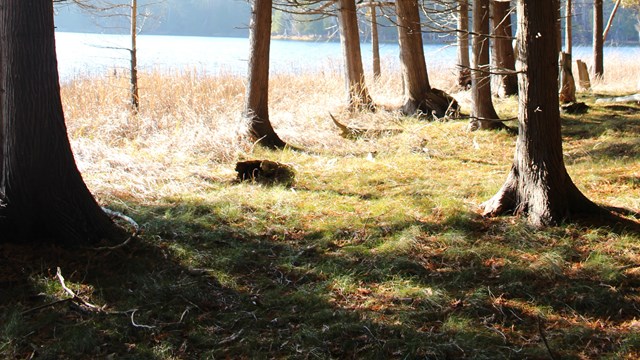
(360, 259)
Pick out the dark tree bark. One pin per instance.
(257, 96)
(358, 94)
(43, 194)
(598, 54)
(483, 114)
(419, 97)
(505, 81)
(538, 184)
(135, 93)
(464, 74)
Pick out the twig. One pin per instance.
(133, 223)
(544, 339)
(45, 306)
(74, 297)
(139, 325)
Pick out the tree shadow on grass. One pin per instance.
(206, 287)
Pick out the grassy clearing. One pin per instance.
(376, 252)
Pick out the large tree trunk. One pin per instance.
(464, 75)
(483, 114)
(358, 94)
(538, 184)
(598, 55)
(43, 194)
(505, 81)
(257, 97)
(419, 97)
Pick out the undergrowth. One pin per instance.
(377, 251)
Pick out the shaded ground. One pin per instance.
(369, 259)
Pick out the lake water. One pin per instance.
(82, 55)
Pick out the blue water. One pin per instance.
(82, 55)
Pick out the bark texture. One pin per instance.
(538, 184)
(464, 74)
(505, 81)
(357, 91)
(419, 97)
(257, 97)
(598, 54)
(135, 93)
(483, 114)
(43, 194)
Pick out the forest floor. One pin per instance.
(376, 251)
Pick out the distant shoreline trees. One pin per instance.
(225, 18)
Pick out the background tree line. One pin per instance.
(229, 18)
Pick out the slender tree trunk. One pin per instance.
(135, 97)
(419, 97)
(610, 22)
(483, 114)
(464, 74)
(503, 56)
(257, 96)
(42, 191)
(598, 55)
(538, 184)
(358, 94)
(375, 45)
(568, 33)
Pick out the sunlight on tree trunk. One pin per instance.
(505, 82)
(483, 114)
(538, 184)
(357, 92)
(598, 55)
(464, 75)
(419, 97)
(256, 107)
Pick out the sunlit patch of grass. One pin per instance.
(376, 251)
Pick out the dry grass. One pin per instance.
(377, 252)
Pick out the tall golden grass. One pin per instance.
(190, 127)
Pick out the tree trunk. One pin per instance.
(483, 114)
(568, 32)
(375, 45)
(43, 194)
(503, 56)
(464, 74)
(135, 97)
(358, 94)
(257, 96)
(419, 97)
(598, 55)
(538, 184)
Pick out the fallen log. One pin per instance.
(619, 99)
(353, 133)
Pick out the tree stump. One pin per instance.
(265, 172)
(583, 75)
